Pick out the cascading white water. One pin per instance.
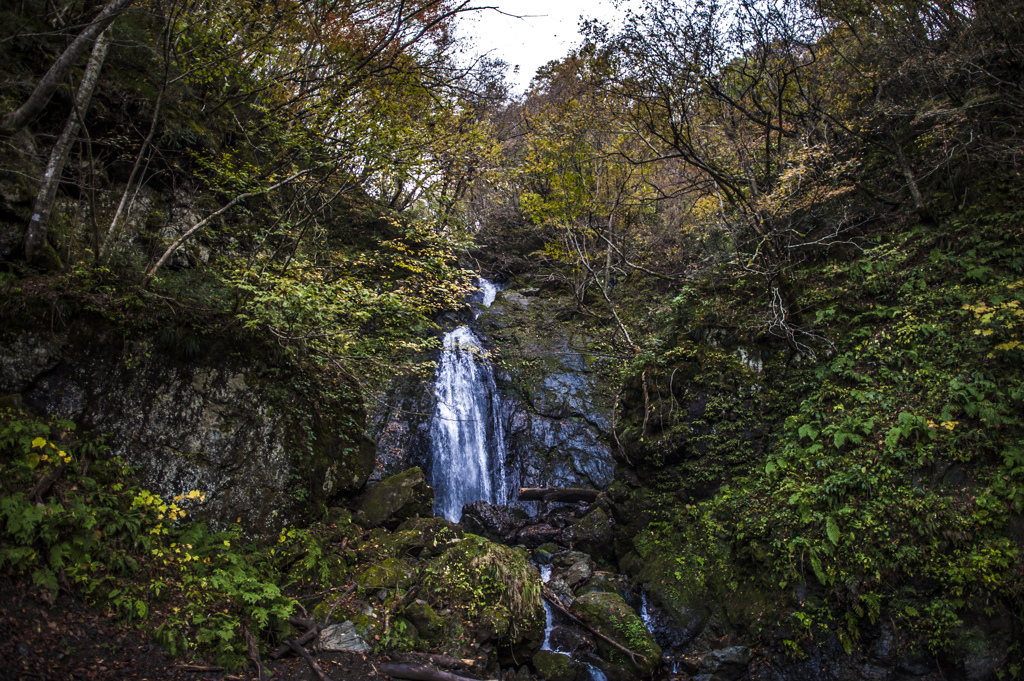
(489, 292)
(549, 616)
(645, 614)
(467, 439)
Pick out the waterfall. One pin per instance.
(488, 292)
(467, 439)
(549, 615)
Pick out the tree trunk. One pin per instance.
(46, 86)
(915, 192)
(35, 237)
(420, 672)
(124, 207)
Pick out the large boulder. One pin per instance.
(269, 443)
(593, 534)
(610, 614)
(499, 523)
(553, 666)
(427, 537)
(397, 499)
(569, 640)
(342, 638)
(428, 623)
(538, 535)
(496, 581)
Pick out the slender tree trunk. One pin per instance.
(46, 86)
(127, 198)
(35, 237)
(915, 192)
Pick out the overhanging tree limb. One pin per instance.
(46, 86)
(202, 223)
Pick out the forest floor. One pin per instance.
(68, 641)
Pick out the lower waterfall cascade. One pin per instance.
(467, 439)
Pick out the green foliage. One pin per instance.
(116, 545)
(372, 308)
(477, 573)
(892, 487)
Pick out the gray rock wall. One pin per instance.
(555, 404)
(265, 443)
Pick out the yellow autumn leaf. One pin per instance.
(39, 442)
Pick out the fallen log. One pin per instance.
(286, 648)
(317, 669)
(565, 495)
(419, 672)
(557, 605)
(446, 661)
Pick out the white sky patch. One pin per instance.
(547, 30)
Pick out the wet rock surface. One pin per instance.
(397, 499)
(197, 413)
(501, 523)
(553, 406)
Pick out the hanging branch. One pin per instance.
(202, 223)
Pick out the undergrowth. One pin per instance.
(892, 490)
(72, 519)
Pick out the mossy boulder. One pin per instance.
(626, 672)
(543, 553)
(688, 590)
(427, 622)
(429, 537)
(553, 666)
(389, 574)
(609, 614)
(593, 534)
(476, 575)
(397, 499)
(493, 624)
(601, 582)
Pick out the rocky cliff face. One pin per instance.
(558, 396)
(555, 406)
(264, 440)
